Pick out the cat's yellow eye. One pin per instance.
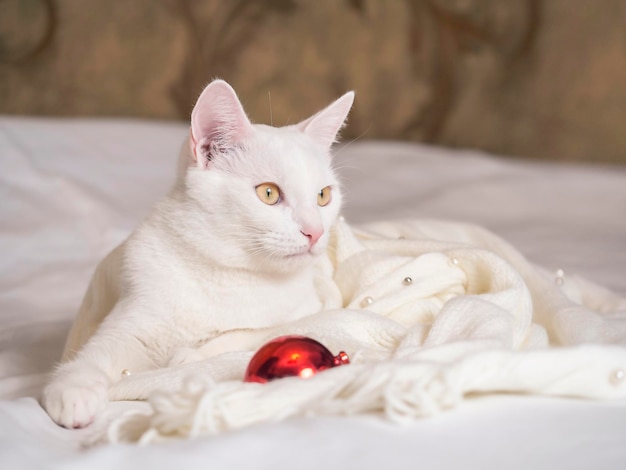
(324, 197)
(268, 193)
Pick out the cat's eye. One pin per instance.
(324, 196)
(268, 193)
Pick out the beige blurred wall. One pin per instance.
(530, 78)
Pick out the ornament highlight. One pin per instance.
(289, 356)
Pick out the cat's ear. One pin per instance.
(324, 126)
(218, 122)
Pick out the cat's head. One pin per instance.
(268, 195)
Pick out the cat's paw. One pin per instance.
(75, 395)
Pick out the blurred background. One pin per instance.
(542, 79)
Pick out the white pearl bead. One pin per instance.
(407, 281)
(367, 301)
(559, 277)
(454, 261)
(617, 376)
(126, 373)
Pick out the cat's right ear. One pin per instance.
(218, 122)
(324, 126)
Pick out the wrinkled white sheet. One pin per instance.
(71, 190)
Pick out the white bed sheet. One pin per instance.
(72, 189)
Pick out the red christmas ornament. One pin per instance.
(290, 356)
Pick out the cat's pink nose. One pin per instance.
(312, 234)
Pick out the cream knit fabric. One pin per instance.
(474, 317)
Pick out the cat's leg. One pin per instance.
(78, 389)
(229, 341)
(340, 329)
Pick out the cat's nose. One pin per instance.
(313, 234)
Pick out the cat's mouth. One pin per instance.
(293, 253)
(304, 252)
(300, 254)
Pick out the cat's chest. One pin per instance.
(225, 301)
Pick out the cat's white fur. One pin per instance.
(211, 257)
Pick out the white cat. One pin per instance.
(239, 242)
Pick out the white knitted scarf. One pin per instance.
(474, 317)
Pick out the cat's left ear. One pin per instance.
(218, 122)
(324, 126)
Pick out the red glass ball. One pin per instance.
(290, 356)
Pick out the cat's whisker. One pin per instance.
(343, 147)
(269, 97)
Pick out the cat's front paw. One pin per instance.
(75, 395)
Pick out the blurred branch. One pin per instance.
(214, 43)
(438, 37)
(36, 44)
